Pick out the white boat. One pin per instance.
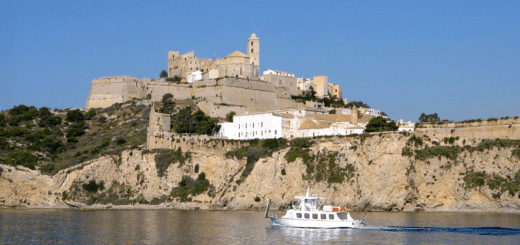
(307, 215)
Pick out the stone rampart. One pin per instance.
(181, 91)
(484, 129)
(220, 110)
(254, 95)
(107, 91)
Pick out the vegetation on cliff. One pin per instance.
(54, 140)
(380, 124)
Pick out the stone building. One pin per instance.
(322, 87)
(237, 64)
(182, 65)
(281, 79)
(335, 90)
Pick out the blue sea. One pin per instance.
(55, 226)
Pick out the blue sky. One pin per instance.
(460, 59)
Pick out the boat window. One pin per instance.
(342, 215)
(306, 215)
(299, 215)
(314, 216)
(323, 216)
(331, 216)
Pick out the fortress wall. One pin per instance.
(107, 91)
(255, 100)
(158, 135)
(210, 93)
(179, 91)
(219, 110)
(247, 84)
(283, 103)
(510, 131)
(289, 83)
(488, 122)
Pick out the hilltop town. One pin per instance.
(277, 102)
(215, 134)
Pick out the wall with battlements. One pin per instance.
(486, 129)
(179, 91)
(237, 93)
(107, 91)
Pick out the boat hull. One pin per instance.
(301, 223)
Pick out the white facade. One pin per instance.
(406, 126)
(277, 72)
(194, 76)
(304, 84)
(254, 126)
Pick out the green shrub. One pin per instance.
(90, 114)
(188, 186)
(297, 152)
(354, 147)
(165, 158)
(283, 171)
(47, 168)
(475, 179)
(301, 143)
(49, 121)
(417, 140)
(257, 199)
(22, 158)
(229, 116)
(75, 116)
(93, 187)
(450, 152)
(196, 168)
(120, 141)
(3, 121)
(202, 176)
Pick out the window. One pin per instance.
(331, 216)
(323, 216)
(262, 124)
(298, 215)
(251, 50)
(173, 56)
(275, 132)
(251, 43)
(306, 215)
(314, 216)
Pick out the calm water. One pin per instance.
(247, 227)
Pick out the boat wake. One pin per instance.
(485, 231)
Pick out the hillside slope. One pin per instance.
(388, 172)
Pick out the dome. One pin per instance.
(253, 36)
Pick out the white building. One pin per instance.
(277, 72)
(304, 84)
(253, 126)
(289, 123)
(406, 126)
(194, 76)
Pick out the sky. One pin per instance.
(460, 59)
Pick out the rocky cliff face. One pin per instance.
(378, 173)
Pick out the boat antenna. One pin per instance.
(307, 195)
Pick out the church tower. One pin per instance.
(253, 50)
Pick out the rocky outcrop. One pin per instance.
(374, 175)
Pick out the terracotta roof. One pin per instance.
(308, 124)
(237, 54)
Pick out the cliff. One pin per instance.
(388, 172)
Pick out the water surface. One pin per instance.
(248, 227)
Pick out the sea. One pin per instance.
(63, 226)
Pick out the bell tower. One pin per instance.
(253, 50)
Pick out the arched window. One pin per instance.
(251, 50)
(251, 43)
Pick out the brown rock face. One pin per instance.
(373, 175)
